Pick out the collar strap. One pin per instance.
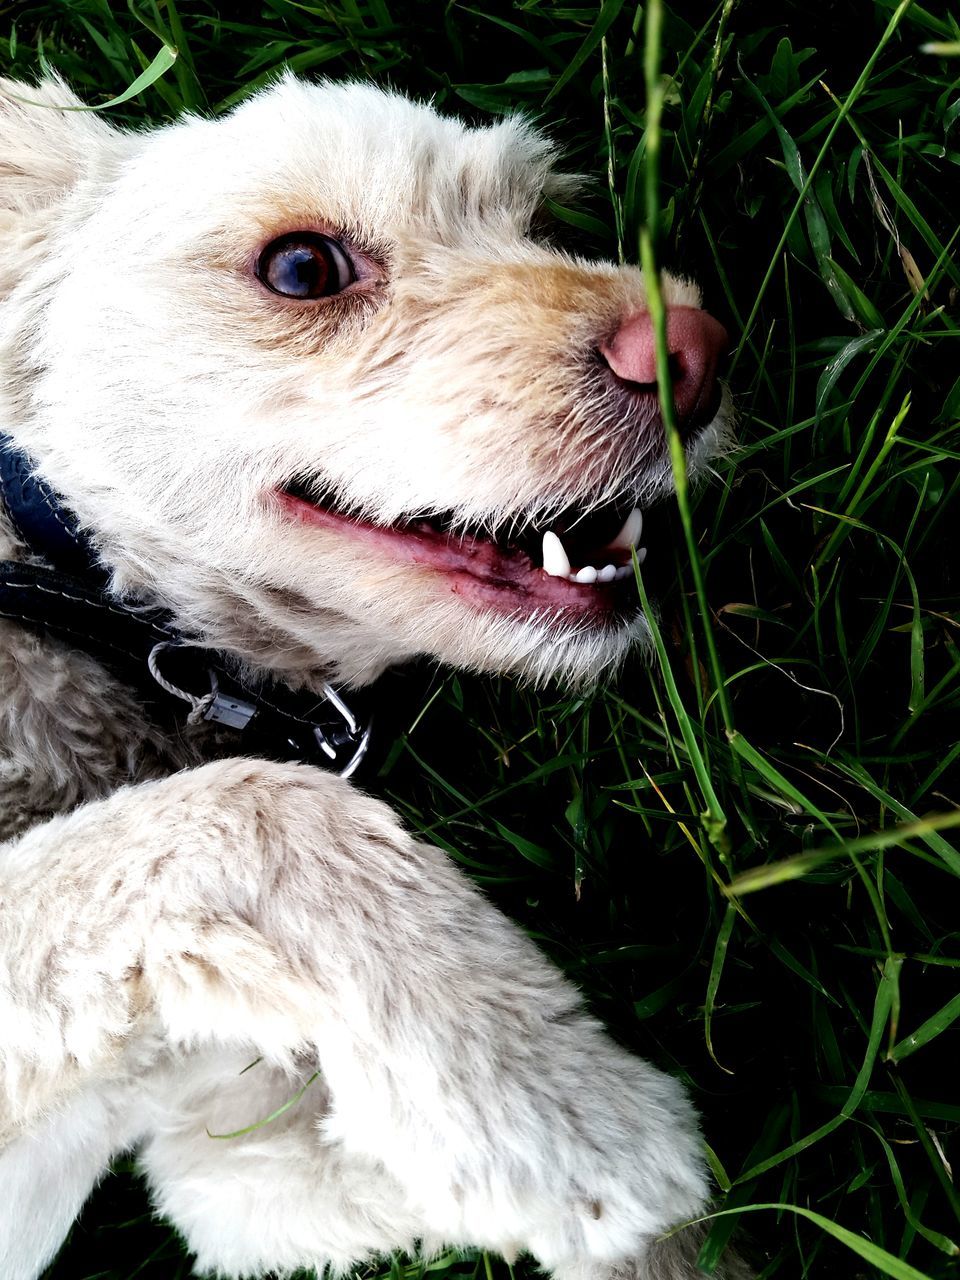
(39, 518)
(143, 646)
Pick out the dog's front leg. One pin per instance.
(277, 908)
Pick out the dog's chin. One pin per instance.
(535, 649)
(578, 659)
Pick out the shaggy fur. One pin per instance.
(166, 922)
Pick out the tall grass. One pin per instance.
(745, 852)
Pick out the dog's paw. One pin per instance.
(586, 1165)
(639, 1171)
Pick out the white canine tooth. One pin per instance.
(641, 554)
(625, 571)
(555, 561)
(607, 573)
(587, 574)
(628, 535)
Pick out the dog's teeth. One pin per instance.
(626, 570)
(555, 560)
(587, 574)
(607, 573)
(628, 535)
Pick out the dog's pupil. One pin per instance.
(299, 271)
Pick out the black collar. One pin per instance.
(63, 589)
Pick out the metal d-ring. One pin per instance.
(353, 731)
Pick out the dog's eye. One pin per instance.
(305, 265)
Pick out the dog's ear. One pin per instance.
(46, 144)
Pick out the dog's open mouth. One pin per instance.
(580, 564)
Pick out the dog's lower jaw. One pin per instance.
(534, 651)
(392, 615)
(310, 648)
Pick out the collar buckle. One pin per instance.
(342, 743)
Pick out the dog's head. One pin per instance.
(309, 377)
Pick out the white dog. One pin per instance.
(299, 386)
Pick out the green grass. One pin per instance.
(742, 853)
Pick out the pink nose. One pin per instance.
(695, 342)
